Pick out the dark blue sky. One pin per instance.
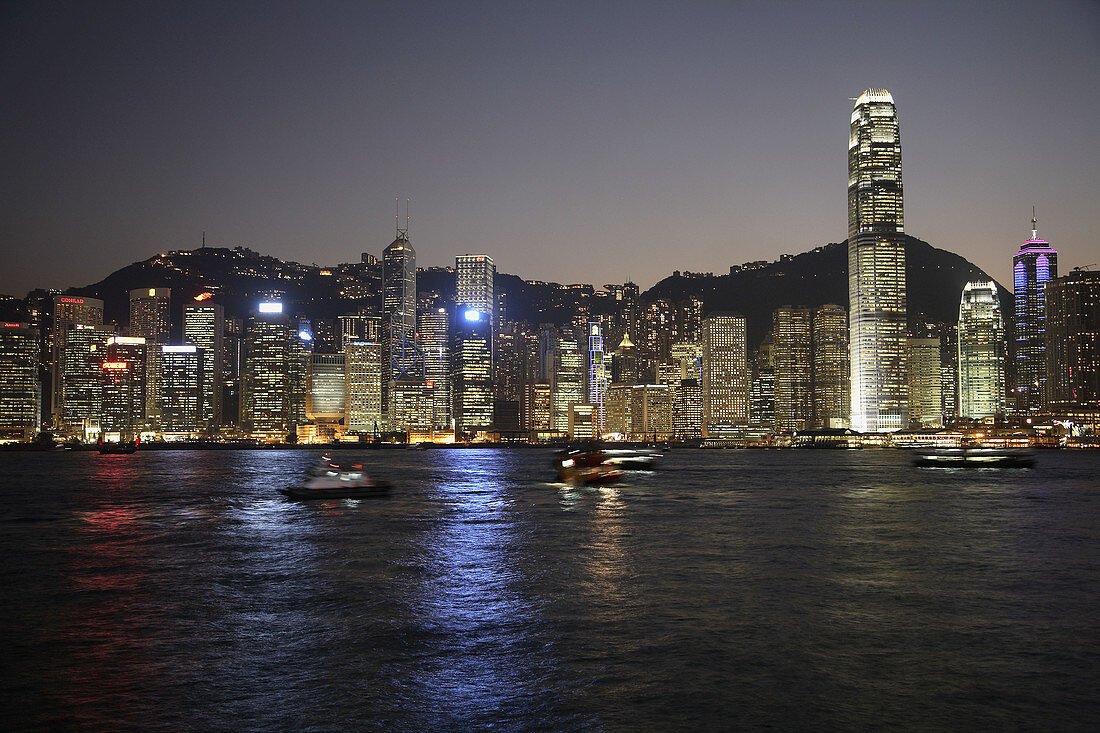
(576, 142)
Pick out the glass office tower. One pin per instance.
(876, 266)
(981, 352)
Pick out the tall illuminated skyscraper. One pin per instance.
(150, 319)
(1073, 347)
(597, 371)
(19, 389)
(400, 356)
(68, 312)
(434, 334)
(1033, 267)
(265, 383)
(182, 385)
(204, 327)
(876, 266)
(726, 382)
(471, 380)
(981, 352)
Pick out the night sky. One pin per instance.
(574, 142)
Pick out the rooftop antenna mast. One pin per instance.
(401, 233)
(204, 239)
(1034, 224)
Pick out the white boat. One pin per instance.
(330, 480)
(974, 457)
(632, 459)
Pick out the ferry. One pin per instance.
(330, 480)
(974, 457)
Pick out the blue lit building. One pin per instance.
(1033, 267)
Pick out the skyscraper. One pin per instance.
(597, 371)
(471, 379)
(181, 390)
(1033, 267)
(1073, 346)
(150, 319)
(981, 352)
(124, 388)
(363, 387)
(80, 395)
(725, 383)
(266, 380)
(19, 389)
(925, 387)
(793, 359)
(568, 382)
(326, 399)
(401, 358)
(830, 339)
(434, 334)
(204, 327)
(876, 266)
(68, 312)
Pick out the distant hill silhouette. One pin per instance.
(934, 283)
(240, 277)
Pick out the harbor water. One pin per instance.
(790, 590)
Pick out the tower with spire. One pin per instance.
(1033, 267)
(400, 357)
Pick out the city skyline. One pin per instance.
(531, 133)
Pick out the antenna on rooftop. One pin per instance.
(1034, 224)
(401, 233)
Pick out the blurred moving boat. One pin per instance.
(586, 467)
(330, 480)
(632, 459)
(974, 457)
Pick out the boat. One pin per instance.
(116, 446)
(974, 457)
(589, 467)
(330, 480)
(632, 459)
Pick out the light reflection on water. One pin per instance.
(730, 589)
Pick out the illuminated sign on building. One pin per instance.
(271, 307)
(472, 315)
(116, 365)
(185, 349)
(204, 296)
(78, 301)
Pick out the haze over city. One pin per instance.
(571, 143)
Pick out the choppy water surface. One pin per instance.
(730, 589)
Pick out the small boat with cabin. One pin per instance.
(331, 480)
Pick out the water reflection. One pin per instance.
(484, 638)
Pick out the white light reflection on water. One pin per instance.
(483, 633)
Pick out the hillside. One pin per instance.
(239, 278)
